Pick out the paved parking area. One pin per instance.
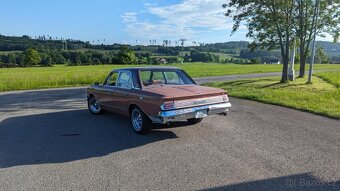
(49, 141)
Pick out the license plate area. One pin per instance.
(201, 114)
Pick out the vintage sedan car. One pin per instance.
(158, 95)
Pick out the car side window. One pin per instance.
(124, 80)
(145, 77)
(157, 78)
(111, 81)
(172, 78)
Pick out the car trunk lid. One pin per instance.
(180, 92)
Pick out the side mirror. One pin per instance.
(96, 83)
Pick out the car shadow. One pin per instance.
(296, 182)
(68, 136)
(171, 125)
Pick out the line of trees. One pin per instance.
(196, 56)
(32, 57)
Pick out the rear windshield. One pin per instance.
(159, 77)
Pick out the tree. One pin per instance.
(32, 57)
(126, 56)
(12, 59)
(216, 58)
(201, 56)
(75, 58)
(58, 57)
(321, 56)
(186, 58)
(328, 22)
(269, 24)
(255, 60)
(46, 60)
(20, 59)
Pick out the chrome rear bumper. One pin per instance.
(189, 113)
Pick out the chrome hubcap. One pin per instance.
(94, 106)
(137, 120)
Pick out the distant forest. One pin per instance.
(46, 51)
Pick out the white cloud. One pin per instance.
(193, 13)
(325, 37)
(182, 20)
(129, 17)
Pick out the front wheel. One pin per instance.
(94, 106)
(195, 121)
(139, 121)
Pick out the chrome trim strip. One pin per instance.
(183, 114)
(198, 102)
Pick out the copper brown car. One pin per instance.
(156, 95)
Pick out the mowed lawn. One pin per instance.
(321, 97)
(70, 76)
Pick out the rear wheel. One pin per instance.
(94, 106)
(195, 121)
(140, 122)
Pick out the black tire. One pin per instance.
(93, 106)
(195, 121)
(140, 123)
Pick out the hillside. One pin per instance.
(75, 52)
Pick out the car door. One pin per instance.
(107, 92)
(123, 89)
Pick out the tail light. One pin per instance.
(225, 98)
(168, 105)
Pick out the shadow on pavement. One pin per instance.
(68, 136)
(43, 99)
(298, 182)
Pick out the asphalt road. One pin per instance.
(234, 77)
(49, 141)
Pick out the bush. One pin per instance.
(126, 56)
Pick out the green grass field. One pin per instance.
(330, 77)
(10, 52)
(69, 76)
(321, 97)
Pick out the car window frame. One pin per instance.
(135, 79)
(128, 82)
(139, 75)
(108, 77)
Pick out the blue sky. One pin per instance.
(119, 21)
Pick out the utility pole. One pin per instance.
(312, 59)
(182, 43)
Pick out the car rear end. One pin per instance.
(181, 97)
(197, 107)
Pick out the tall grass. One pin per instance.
(67, 76)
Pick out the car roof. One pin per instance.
(149, 68)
